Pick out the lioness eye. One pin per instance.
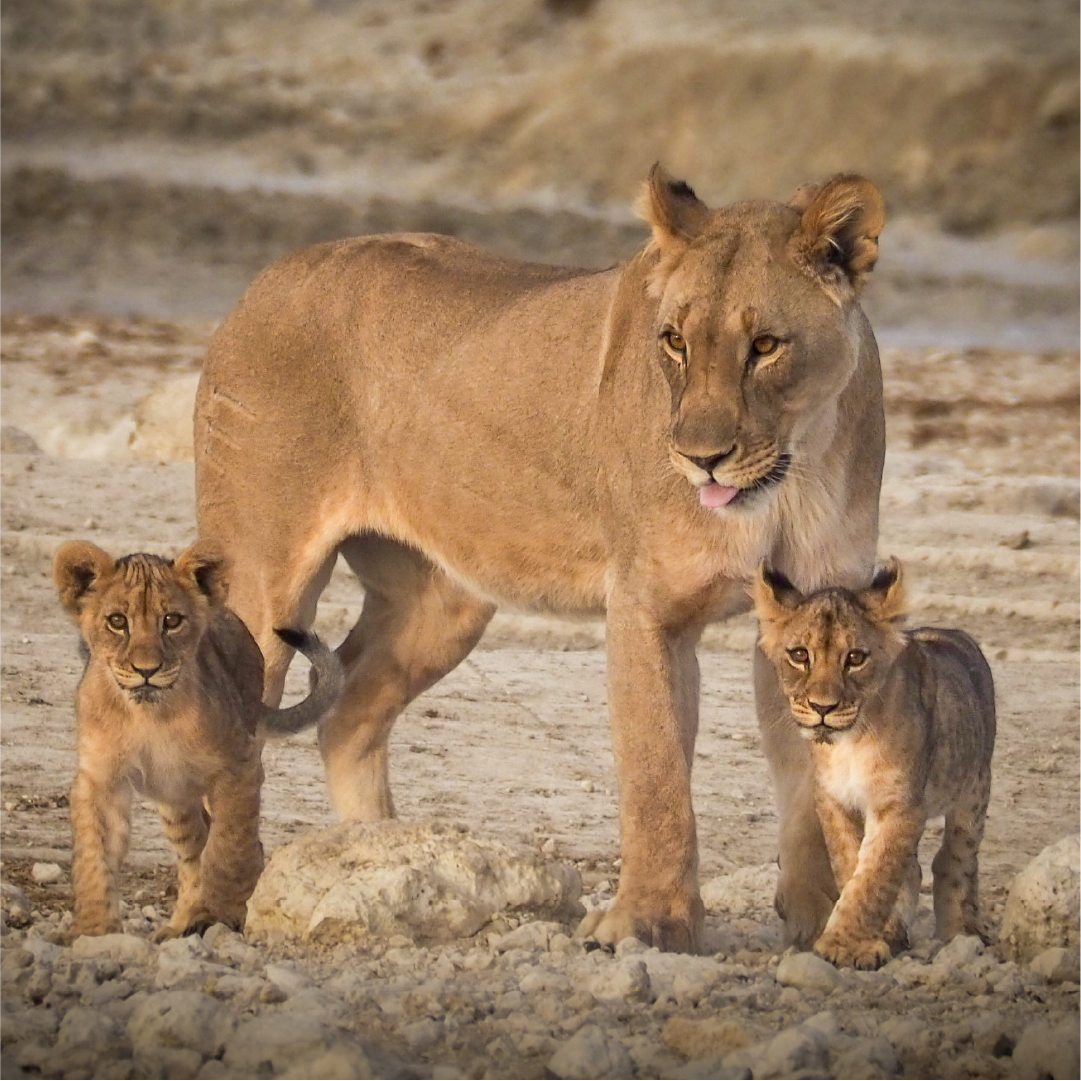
(765, 344)
(116, 621)
(855, 658)
(674, 344)
(798, 656)
(172, 620)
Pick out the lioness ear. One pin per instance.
(674, 212)
(839, 225)
(885, 599)
(775, 597)
(76, 567)
(206, 568)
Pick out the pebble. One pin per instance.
(1048, 1050)
(281, 1040)
(1057, 965)
(626, 979)
(187, 1020)
(46, 873)
(809, 972)
(126, 949)
(591, 1053)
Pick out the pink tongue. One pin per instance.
(716, 495)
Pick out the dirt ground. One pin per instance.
(980, 500)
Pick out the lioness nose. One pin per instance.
(710, 462)
(822, 708)
(146, 673)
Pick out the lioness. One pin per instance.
(901, 726)
(470, 431)
(170, 704)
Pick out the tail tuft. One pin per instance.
(292, 638)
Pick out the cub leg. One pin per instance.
(415, 627)
(855, 931)
(956, 867)
(653, 725)
(806, 890)
(233, 857)
(101, 828)
(186, 828)
(901, 919)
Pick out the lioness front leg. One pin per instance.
(806, 888)
(654, 714)
(100, 819)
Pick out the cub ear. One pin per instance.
(674, 212)
(775, 597)
(885, 599)
(840, 223)
(205, 567)
(76, 567)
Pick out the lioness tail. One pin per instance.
(327, 683)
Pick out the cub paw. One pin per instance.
(867, 954)
(896, 934)
(668, 931)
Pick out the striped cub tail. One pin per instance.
(326, 685)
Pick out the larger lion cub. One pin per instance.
(902, 727)
(170, 705)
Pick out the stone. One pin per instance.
(126, 949)
(14, 903)
(1043, 908)
(868, 1058)
(1057, 965)
(958, 953)
(288, 978)
(421, 1035)
(163, 430)
(591, 1053)
(85, 1038)
(179, 1020)
(281, 1041)
(625, 980)
(680, 977)
(799, 1051)
(344, 1061)
(808, 971)
(13, 440)
(424, 880)
(46, 873)
(1048, 1049)
(534, 934)
(708, 1037)
(747, 893)
(23, 1026)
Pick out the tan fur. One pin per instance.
(902, 728)
(469, 431)
(170, 705)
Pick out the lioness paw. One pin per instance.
(804, 910)
(669, 933)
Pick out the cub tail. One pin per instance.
(326, 676)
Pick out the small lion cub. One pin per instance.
(902, 727)
(170, 705)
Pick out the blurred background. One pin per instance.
(158, 153)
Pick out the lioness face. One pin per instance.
(831, 650)
(754, 327)
(142, 616)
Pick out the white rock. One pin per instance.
(281, 1040)
(288, 978)
(868, 1058)
(1048, 1049)
(422, 1034)
(46, 873)
(426, 880)
(747, 893)
(809, 972)
(179, 1020)
(680, 977)
(799, 1051)
(626, 980)
(344, 1061)
(15, 905)
(958, 953)
(163, 431)
(590, 1053)
(85, 1038)
(126, 949)
(534, 934)
(1057, 965)
(1044, 904)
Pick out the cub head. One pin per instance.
(141, 616)
(833, 649)
(758, 327)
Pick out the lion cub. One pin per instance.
(902, 727)
(170, 705)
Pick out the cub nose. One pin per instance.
(822, 708)
(146, 673)
(709, 462)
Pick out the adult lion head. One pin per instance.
(753, 328)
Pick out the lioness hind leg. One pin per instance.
(956, 866)
(186, 828)
(416, 625)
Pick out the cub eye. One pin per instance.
(765, 344)
(172, 620)
(675, 345)
(117, 621)
(855, 659)
(798, 656)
